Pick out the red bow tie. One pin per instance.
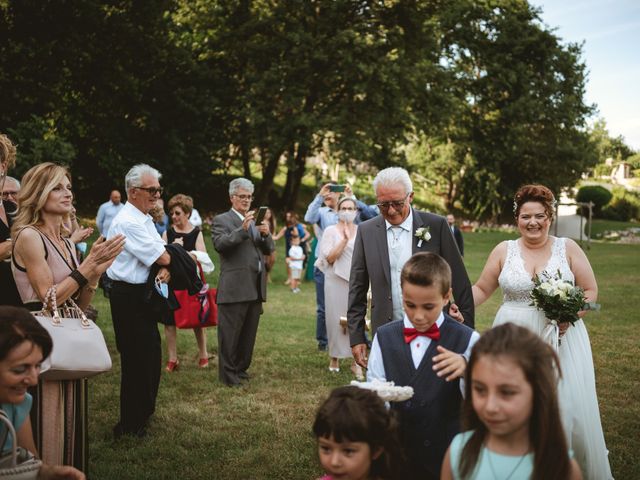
(411, 333)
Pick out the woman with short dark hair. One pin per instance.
(24, 344)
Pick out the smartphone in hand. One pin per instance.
(262, 211)
(337, 188)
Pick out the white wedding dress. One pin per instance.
(577, 389)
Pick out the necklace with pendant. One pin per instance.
(508, 477)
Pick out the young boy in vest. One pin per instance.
(427, 350)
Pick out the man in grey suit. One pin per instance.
(242, 286)
(383, 245)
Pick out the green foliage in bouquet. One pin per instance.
(559, 299)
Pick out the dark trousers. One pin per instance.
(138, 342)
(237, 329)
(321, 326)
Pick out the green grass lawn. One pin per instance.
(203, 430)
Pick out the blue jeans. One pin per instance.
(321, 326)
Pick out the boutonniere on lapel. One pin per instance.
(423, 235)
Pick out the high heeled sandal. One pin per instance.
(172, 366)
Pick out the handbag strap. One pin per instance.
(10, 431)
(202, 277)
(70, 308)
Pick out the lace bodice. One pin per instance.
(514, 280)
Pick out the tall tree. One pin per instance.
(520, 111)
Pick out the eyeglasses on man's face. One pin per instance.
(396, 204)
(243, 197)
(9, 193)
(152, 190)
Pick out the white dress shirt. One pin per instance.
(400, 246)
(143, 245)
(419, 346)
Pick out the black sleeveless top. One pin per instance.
(188, 239)
(8, 291)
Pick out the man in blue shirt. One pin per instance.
(322, 212)
(107, 212)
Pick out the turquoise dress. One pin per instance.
(17, 414)
(490, 464)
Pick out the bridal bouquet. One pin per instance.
(560, 300)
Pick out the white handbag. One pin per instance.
(79, 349)
(19, 464)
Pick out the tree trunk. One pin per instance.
(244, 153)
(267, 179)
(299, 167)
(288, 186)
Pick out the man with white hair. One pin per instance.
(383, 245)
(134, 322)
(10, 190)
(242, 287)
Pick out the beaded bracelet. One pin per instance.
(80, 279)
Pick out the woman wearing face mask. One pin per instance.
(334, 259)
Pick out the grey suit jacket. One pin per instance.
(242, 269)
(370, 263)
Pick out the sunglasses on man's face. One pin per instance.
(396, 204)
(151, 190)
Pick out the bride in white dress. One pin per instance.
(512, 265)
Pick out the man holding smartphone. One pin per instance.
(241, 242)
(324, 216)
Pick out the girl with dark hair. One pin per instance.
(512, 265)
(511, 412)
(24, 344)
(357, 437)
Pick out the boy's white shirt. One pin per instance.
(296, 256)
(419, 346)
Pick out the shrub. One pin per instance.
(624, 207)
(597, 194)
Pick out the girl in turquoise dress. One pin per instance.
(511, 412)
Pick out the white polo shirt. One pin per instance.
(142, 248)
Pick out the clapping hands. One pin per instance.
(104, 252)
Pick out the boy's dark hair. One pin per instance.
(541, 367)
(427, 269)
(353, 414)
(17, 325)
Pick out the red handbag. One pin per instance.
(199, 310)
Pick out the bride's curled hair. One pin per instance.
(534, 193)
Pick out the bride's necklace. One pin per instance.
(493, 472)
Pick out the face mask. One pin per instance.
(162, 288)
(347, 216)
